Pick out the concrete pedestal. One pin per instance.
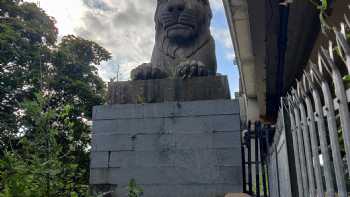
(171, 149)
(167, 90)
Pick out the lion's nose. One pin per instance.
(176, 6)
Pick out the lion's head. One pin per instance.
(182, 23)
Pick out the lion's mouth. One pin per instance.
(184, 21)
(179, 26)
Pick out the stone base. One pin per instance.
(167, 90)
(172, 149)
(237, 195)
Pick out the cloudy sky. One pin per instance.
(126, 29)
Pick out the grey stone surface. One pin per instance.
(187, 148)
(162, 90)
(193, 190)
(163, 142)
(166, 110)
(99, 159)
(168, 175)
(217, 123)
(169, 158)
(184, 46)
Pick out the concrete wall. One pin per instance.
(187, 149)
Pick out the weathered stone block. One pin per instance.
(189, 124)
(167, 90)
(190, 157)
(187, 149)
(113, 142)
(99, 159)
(166, 110)
(162, 175)
(193, 190)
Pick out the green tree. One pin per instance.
(26, 36)
(44, 140)
(32, 170)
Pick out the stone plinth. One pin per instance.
(166, 90)
(171, 149)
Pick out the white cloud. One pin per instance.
(68, 13)
(124, 27)
(216, 4)
(223, 37)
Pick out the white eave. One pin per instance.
(239, 25)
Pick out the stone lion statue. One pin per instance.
(184, 46)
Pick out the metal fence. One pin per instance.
(309, 153)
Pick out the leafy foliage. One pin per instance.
(39, 167)
(47, 91)
(133, 189)
(322, 6)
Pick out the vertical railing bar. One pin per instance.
(257, 163)
(333, 135)
(277, 170)
(267, 135)
(323, 140)
(296, 153)
(347, 21)
(314, 145)
(262, 160)
(306, 137)
(244, 175)
(301, 152)
(250, 180)
(343, 103)
(310, 121)
(343, 44)
(334, 138)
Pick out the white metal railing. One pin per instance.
(318, 110)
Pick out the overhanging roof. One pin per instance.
(256, 33)
(252, 72)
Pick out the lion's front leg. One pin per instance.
(147, 71)
(192, 68)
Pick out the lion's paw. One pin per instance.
(147, 71)
(192, 68)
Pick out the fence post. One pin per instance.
(257, 163)
(243, 140)
(323, 137)
(263, 159)
(301, 151)
(308, 155)
(314, 144)
(333, 133)
(341, 100)
(296, 153)
(249, 142)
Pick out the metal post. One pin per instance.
(342, 101)
(267, 134)
(301, 152)
(333, 134)
(334, 138)
(310, 169)
(319, 117)
(263, 160)
(296, 153)
(314, 146)
(250, 179)
(257, 163)
(243, 140)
